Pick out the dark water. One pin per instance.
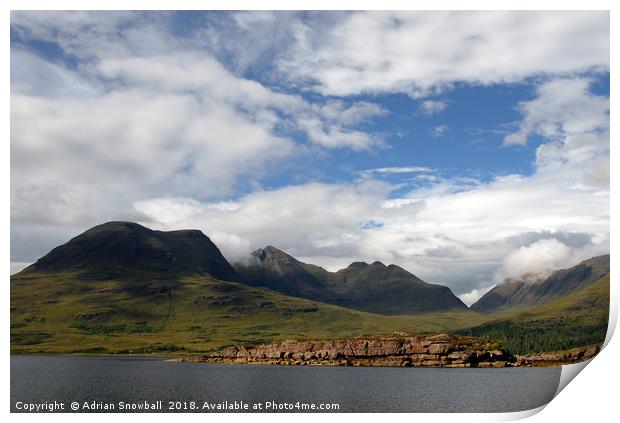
(42, 379)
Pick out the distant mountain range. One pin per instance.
(375, 287)
(517, 293)
(123, 248)
(121, 287)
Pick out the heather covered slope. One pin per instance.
(375, 287)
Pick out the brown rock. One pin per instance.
(432, 363)
(439, 337)
(442, 348)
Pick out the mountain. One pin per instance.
(123, 288)
(124, 247)
(375, 287)
(572, 320)
(272, 268)
(515, 293)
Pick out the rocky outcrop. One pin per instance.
(398, 349)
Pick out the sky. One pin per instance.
(466, 147)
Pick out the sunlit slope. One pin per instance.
(64, 312)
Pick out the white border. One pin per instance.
(591, 397)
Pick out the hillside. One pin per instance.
(576, 319)
(516, 293)
(65, 313)
(375, 287)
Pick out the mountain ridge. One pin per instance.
(123, 288)
(517, 293)
(372, 287)
(119, 249)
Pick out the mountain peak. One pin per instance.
(271, 253)
(128, 247)
(357, 265)
(116, 225)
(371, 287)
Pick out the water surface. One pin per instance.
(108, 380)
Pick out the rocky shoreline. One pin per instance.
(558, 358)
(396, 350)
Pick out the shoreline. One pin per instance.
(398, 350)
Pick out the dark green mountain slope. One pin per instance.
(576, 319)
(514, 293)
(375, 287)
(117, 248)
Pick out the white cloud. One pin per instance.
(90, 35)
(358, 112)
(303, 219)
(326, 125)
(31, 74)
(419, 53)
(144, 125)
(396, 170)
(534, 262)
(576, 124)
(334, 136)
(431, 107)
(135, 139)
(563, 107)
(474, 295)
(142, 115)
(440, 130)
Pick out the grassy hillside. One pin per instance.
(66, 313)
(577, 319)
